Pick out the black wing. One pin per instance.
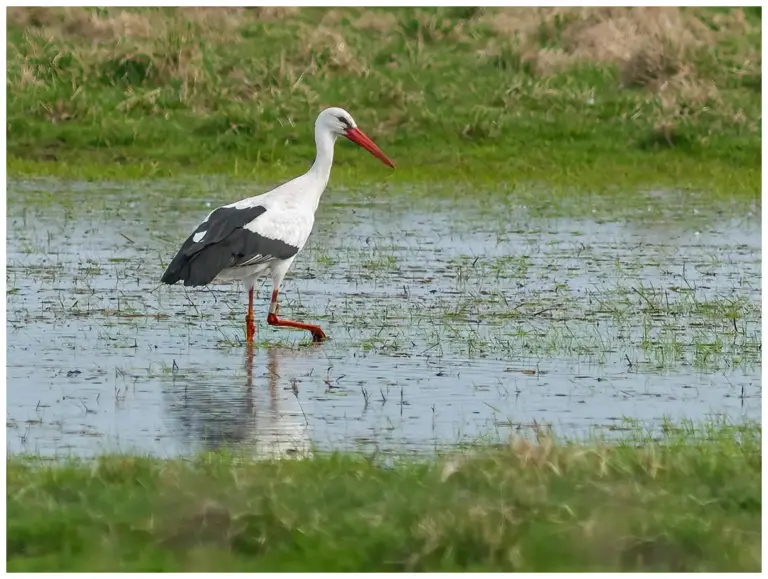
(224, 244)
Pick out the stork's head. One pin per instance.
(340, 123)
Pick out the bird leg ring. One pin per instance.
(317, 334)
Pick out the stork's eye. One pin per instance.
(344, 122)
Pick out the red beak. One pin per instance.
(359, 137)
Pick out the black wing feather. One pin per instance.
(225, 244)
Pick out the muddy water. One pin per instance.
(451, 317)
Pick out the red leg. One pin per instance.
(250, 326)
(317, 334)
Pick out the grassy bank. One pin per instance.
(689, 501)
(585, 97)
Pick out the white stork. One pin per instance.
(262, 235)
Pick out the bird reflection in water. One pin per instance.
(262, 417)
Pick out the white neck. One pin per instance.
(320, 171)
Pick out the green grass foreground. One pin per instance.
(584, 97)
(688, 501)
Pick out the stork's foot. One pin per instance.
(317, 334)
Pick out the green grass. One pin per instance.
(686, 501)
(474, 94)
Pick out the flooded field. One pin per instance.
(451, 317)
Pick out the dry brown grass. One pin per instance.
(163, 44)
(111, 24)
(337, 54)
(167, 44)
(62, 22)
(381, 22)
(651, 46)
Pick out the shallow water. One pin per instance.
(451, 317)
